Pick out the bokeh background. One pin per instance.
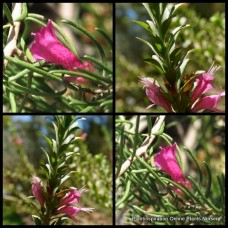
(206, 33)
(22, 139)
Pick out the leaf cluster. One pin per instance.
(167, 59)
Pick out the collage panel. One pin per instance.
(57, 170)
(58, 57)
(117, 165)
(168, 58)
(170, 169)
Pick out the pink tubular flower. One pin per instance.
(202, 85)
(154, 94)
(166, 160)
(37, 190)
(208, 102)
(72, 197)
(47, 47)
(71, 211)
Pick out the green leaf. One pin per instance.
(14, 87)
(207, 192)
(125, 195)
(171, 75)
(177, 30)
(107, 103)
(153, 29)
(189, 52)
(48, 141)
(37, 16)
(165, 26)
(170, 46)
(163, 7)
(96, 62)
(7, 13)
(63, 148)
(207, 201)
(182, 66)
(156, 213)
(89, 75)
(177, 6)
(27, 65)
(61, 221)
(37, 220)
(61, 162)
(148, 44)
(47, 155)
(77, 26)
(185, 100)
(142, 24)
(46, 170)
(22, 73)
(56, 133)
(175, 56)
(62, 170)
(157, 44)
(63, 179)
(71, 131)
(221, 182)
(36, 20)
(155, 64)
(106, 36)
(87, 109)
(69, 120)
(155, 9)
(13, 102)
(146, 5)
(197, 164)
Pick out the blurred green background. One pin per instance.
(22, 139)
(207, 33)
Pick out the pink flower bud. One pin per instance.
(166, 160)
(155, 95)
(37, 190)
(47, 47)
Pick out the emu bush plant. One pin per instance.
(178, 92)
(153, 186)
(33, 78)
(56, 203)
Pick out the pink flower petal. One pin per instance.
(68, 210)
(37, 189)
(154, 94)
(203, 84)
(47, 47)
(71, 211)
(208, 102)
(166, 160)
(72, 196)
